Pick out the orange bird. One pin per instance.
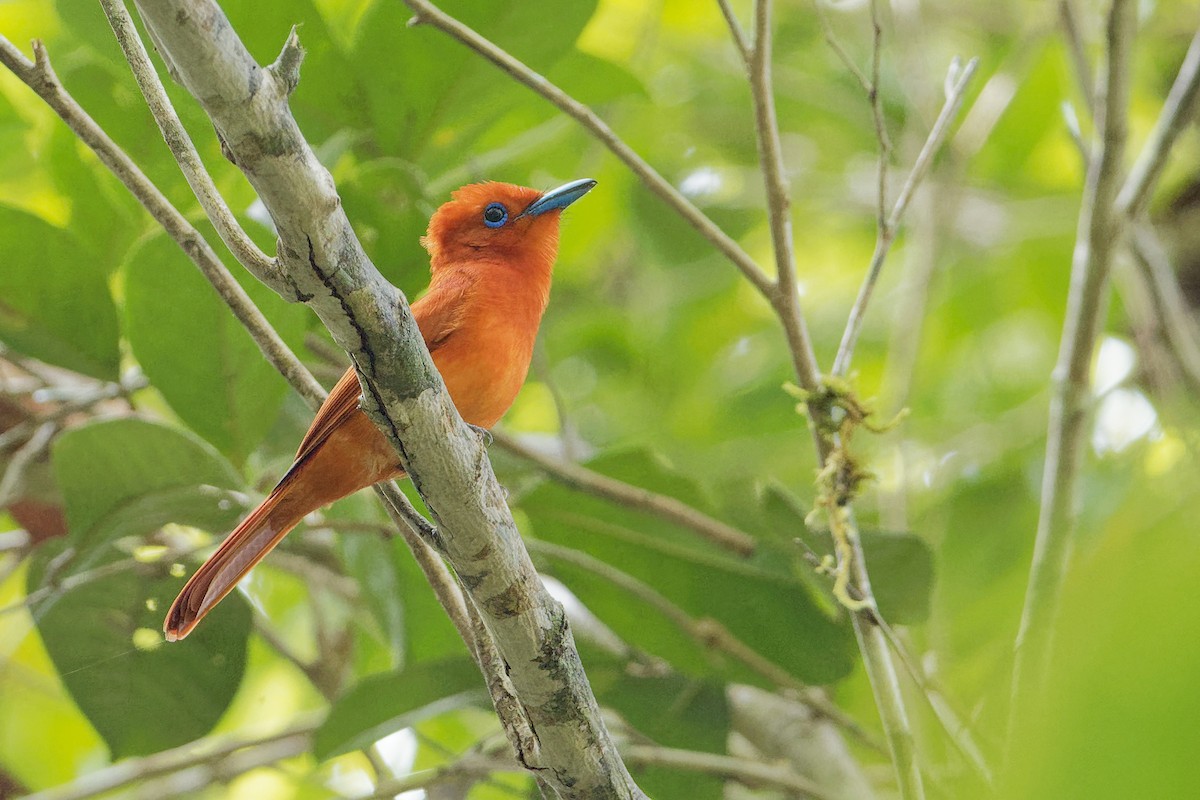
(492, 251)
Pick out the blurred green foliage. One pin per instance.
(659, 365)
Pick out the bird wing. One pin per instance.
(341, 403)
(437, 320)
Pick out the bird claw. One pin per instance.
(483, 433)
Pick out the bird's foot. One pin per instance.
(484, 434)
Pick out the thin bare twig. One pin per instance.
(217, 761)
(12, 482)
(736, 30)
(662, 506)
(472, 768)
(262, 266)
(870, 87)
(418, 533)
(1177, 112)
(836, 46)
(757, 774)
(1179, 329)
(53, 585)
(881, 133)
(887, 232)
(877, 659)
(1099, 230)
(1153, 270)
(568, 435)
(1078, 51)
(956, 730)
(785, 298)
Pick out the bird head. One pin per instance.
(500, 223)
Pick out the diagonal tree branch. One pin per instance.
(708, 633)
(199, 768)
(1162, 286)
(244, 250)
(662, 506)
(751, 773)
(1153, 270)
(785, 297)
(1177, 112)
(403, 392)
(959, 80)
(1099, 231)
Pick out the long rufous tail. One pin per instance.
(248, 544)
(342, 452)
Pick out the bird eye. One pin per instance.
(495, 215)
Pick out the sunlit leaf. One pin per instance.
(197, 354)
(129, 476)
(385, 703)
(54, 299)
(104, 636)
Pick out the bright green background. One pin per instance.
(667, 369)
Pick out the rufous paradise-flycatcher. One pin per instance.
(492, 250)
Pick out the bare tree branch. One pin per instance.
(875, 95)
(751, 773)
(1075, 46)
(1100, 226)
(244, 250)
(785, 298)
(736, 31)
(664, 507)
(1153, 270)
(708, 633)
(783, 729)
(1177, 112)
(1179, 329)
(889, 226)
(195, 766)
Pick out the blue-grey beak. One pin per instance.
(561, 197)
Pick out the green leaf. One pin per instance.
(592, 80)
(428, 632)
(368, 560)
(901, 575)
(385, 703)
(901, 564)
(129, 476)
(54, 300)
(198, 355)
(141, 694)
(676, 712)
(103, 213)
(772, 613)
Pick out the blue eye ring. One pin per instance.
(495, 215)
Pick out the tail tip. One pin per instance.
(174, 628)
